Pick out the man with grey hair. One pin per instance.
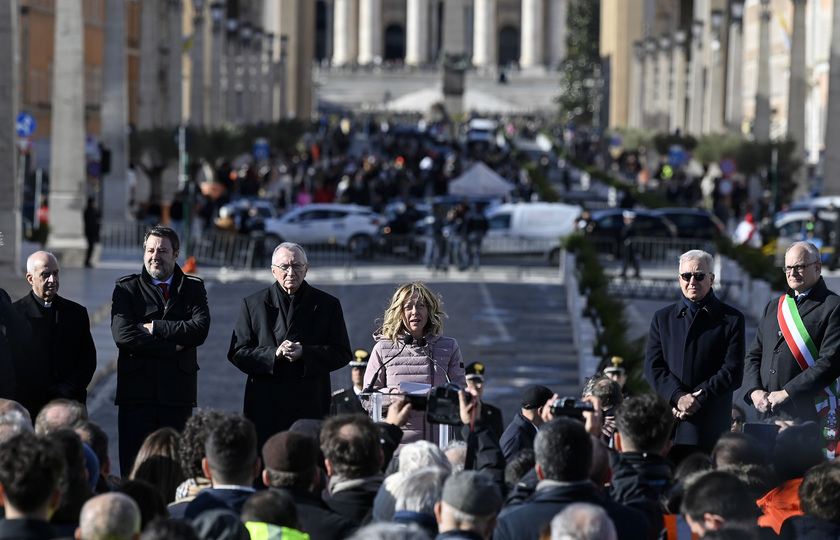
(60, 414)
(59, 358)
(110, 516)
(468, 506)
(287, 339)
(791, 366)
(695, 357)
(583, 521)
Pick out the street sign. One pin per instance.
(727, 166)
(24, 145)
(261, 150)
(25, 124)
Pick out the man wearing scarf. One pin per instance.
(695, 357)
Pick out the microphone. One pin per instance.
(408, 339)
(430, 354)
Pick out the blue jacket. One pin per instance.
(704, 351)
(519, 435)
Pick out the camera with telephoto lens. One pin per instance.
(569, 406)
(444, 406)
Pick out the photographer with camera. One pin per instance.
(411, 348)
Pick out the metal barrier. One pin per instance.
(122, 235)
(652, 252)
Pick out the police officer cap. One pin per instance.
(475, 371)
(361, 360)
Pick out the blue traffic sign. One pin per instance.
(25, 124)
(261, 149)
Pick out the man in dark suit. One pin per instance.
(776, 383)
(521, 432)
(287, 339)
(159, 317)
(346, 400)
(695, 357)
(14, 330)
(59, 358)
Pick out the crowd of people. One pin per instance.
(303, 461)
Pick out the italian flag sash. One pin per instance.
(805, 351)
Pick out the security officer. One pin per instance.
(489, 413)
(347, 400)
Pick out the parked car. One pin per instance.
(604, 228)
(798, 225)
(534, 228)
(347, 225)
(693, 222)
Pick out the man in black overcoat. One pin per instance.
(287, 339)
(159, 318)
(695, 357)
(59, 358)
(775, 382)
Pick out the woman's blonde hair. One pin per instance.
(392, 325)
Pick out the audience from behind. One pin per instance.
(468, 506)
(291, 468)
(354, 460)
(758, 479)
(60, 414)
(797, 449)
(7, 405)
(95, 437)
(819, 497)
(737, 448)
(519, 464)
(31, 468)
(456, 454)
(110, 516)
(413, 457)
(713, 499)
(13, 423)
(169, 529)
(600, 472)
(390, 531)
(220, 524)
(76, 490)
(157, 463)
(190, 454)
(582, 521)
(231, 463)
(271, 514)
(148, 499)
(693, 463)
(521, 432)
(420, 491)
(563, 451)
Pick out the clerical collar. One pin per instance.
(41, 301)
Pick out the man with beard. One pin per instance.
(158, 318)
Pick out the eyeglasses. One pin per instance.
(698, 276)
(798, 268)
(295, 267)
(737, 419)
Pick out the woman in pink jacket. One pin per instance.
(410, 348)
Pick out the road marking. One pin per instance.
(493, 314)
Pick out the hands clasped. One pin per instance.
(687, 405)
(289, 350)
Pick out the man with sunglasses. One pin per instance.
(792, 367)
(695, 357)
(287, 339)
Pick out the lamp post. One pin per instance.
(734, 98)
(230, 70)
(761, 123)
(714, 94)
(284, 106)
(197, 58)
(637, 85)
(678, 92)
(217, 12)
(664, 83)
(245, 33)
(695, 117)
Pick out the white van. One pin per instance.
(529, 228)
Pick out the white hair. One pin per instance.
(583, 521)
(420, 454)
(30, 261)
(698, 255)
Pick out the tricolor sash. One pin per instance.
(805, 351)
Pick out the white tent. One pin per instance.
(480, 180)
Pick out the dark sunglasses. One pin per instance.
(698, 276)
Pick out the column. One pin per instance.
(246, 53)
(531, 53)
(148, 96)
(734, 92)
(695, 117)
(678, 91)
(218, 36)
(416, 38)
(663, 122)
(174, 77)
(761, 122)
(557, 10)
(68, 182)
(716, 82)
(649, 110)
(454, 27)
(484, 24)
(197, 75)
(370, 31)
(637, 78)
(231, 75)
(10, 203)
(345, 32)
(115, 113)
(796, 97)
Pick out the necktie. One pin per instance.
(165, 288)
(800, 299)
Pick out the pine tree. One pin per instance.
(580, 71)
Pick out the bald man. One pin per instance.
(59, 358)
